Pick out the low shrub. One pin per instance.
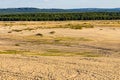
(52, 32)
(39, 34)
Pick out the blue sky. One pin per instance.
(60, 3)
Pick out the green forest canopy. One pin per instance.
(60, 16)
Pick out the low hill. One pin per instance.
(28, 10)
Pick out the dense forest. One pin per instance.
(60, 16)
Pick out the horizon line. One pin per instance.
(61, 8)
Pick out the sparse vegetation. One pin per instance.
(55, 52)
(39, 34)
(17, 44)
(52, 32)
(29, 29)
(80, 26)
(16, 30)
(11, 52)
(9, 31)
(76, 26)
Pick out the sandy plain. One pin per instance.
(49, 51)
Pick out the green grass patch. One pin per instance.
(84, 39)
(56, 52)
(89, 54)
(66, 41)
(84, 54)
(52, 52)
(11, 52)
(76, 26)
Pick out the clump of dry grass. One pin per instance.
(52, 32)
(29, 29)
(17, 44)
(11, 52)
(9, 31)
(56, 52)
(39, 34)
(17, 30)
(76, 26)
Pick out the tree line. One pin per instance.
(60, 16)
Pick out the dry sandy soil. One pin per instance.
(44, 51)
